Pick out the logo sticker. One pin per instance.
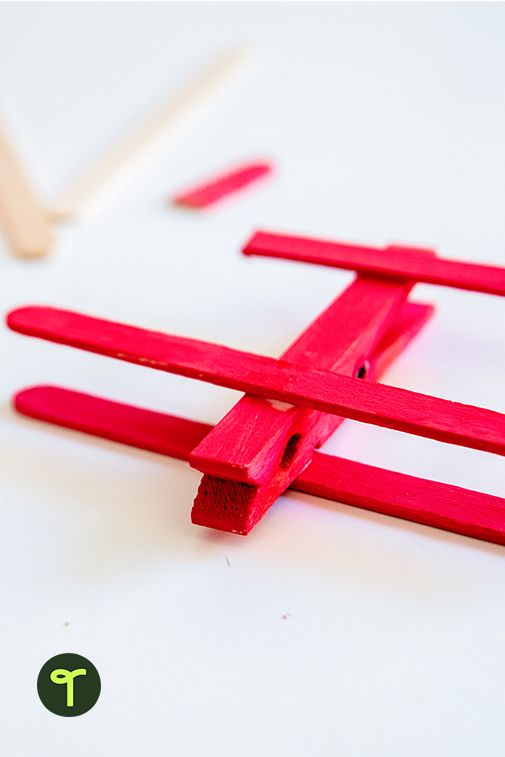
(68, 685)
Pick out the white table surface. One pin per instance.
(387, 124)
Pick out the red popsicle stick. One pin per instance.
(450, 508)
(210, 192)
(389, 262)
(329, 392)
(430, 503)
(137, 427)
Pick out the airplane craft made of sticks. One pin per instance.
(268, 442)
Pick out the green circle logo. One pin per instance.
(68, 685)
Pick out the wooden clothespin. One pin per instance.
(268, 441)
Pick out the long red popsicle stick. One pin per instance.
(168, 434)
(389, 262)
(378, 404)
(215, 189)
(430, 503)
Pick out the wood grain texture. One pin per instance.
(137, 146)
(304, 386)
(430, 503)
(23, 218)
(217, 188)
(391, 262)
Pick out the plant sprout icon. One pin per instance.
(60, 675)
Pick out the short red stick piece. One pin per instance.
(210, 192)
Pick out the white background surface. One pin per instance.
(387, 124)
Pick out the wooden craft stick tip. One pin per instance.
(23, 218)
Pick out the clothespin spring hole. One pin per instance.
(291, 450)
(362, 370)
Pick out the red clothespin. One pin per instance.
(267, 442)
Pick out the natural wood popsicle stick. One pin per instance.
(138, 145)
(23, 218)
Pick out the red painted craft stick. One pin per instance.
(266, 445)
(210, 192)
(450, 508)
(378, 404)
(430, 503)
(137, 427)
(388, 262)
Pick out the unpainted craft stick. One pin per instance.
(23, 218)
(137, 146)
